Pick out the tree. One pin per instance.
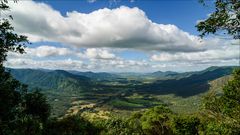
(155, 121)
(70, 125)
(225, 19)
(11, 90)
(20, 112)
(9, 40)
(10, 95)
(221, 114)
(185, 125)
(37, 106)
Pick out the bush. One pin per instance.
(71, 125)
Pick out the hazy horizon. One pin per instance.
(118, 72)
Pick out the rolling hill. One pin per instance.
(189, 84)
(59, 80)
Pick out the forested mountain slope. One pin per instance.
(56, 80)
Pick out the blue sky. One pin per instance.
(117, 36)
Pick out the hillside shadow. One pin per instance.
(174, 87)
(185, 87)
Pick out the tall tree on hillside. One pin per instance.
(221, 113)
(9, 41)
(21, 113)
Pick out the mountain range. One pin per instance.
(114, 90)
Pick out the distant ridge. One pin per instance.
(59, 79)
(188, 84)
(54, 79)
(93, 75)
(163, 74)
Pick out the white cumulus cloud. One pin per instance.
(96, 53)
(224, 53)
(46, 51)
(122, 27)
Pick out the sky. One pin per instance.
(117, 36)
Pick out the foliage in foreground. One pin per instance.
(225, 20)
(70, 125)
(221, 114)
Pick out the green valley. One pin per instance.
(71, 91)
